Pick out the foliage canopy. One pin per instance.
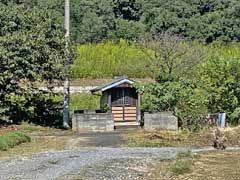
(31, 51)
(96, 20)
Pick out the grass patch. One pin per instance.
(12, 139)
(158, 138)
(141, 142)
(182, 164)
(82, 101)
(220, 165)
(42, 139)
(108, 59)
(182, 138)
(29, 128)
(184, 154)
(37, 145)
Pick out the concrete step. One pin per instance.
(127, 123)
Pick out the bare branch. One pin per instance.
(171, 52)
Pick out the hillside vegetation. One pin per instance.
(96, 20)
(109, 59)
(190, 48)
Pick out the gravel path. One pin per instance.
(58, 164)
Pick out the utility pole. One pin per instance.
(66, 66)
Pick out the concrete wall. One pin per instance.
(162, 120)
(95, 122)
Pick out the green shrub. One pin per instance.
(235, 116)
(84, 101)
(182, 164)
(12, 139)
(3, 144)
(181, 167)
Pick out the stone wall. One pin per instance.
(92, 121)
(161, 120)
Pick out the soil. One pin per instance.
(8, 128)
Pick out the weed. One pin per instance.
(146, 143)
(12, 139)
(182, 164)
(28, 128)
(184, 154)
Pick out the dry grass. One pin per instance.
(216, 165)
(42, 139)
(31, 128)
(37, 144)
(158, 138)
(4, 129)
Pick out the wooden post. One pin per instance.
(139, 108)
(66, 66)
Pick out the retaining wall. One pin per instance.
(161, 120)
(91, 121)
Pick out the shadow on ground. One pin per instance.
(106, 139)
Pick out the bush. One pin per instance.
(235, 116)
(12, 139)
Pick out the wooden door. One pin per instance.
(124, 104)
(130, 113)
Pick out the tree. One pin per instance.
(31, 51)
(220, 75)
(129, 30)
(92, 20)
(127, 9)
(170, 53)
(182, 96)
(206, 20)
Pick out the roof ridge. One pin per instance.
(113, 83)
